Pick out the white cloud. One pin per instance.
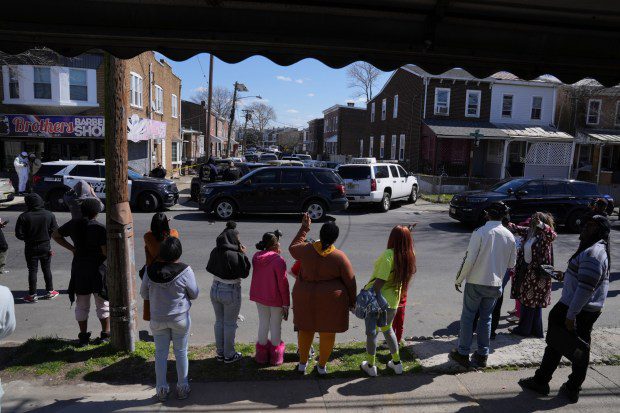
(284, 78)
(200, 89)
(361, 99)
(292, 111)
(299, 81)
(310, 95)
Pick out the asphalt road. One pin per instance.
(433, 308)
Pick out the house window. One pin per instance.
(401, 148)
(361, 147)
(78, 85)
(617, 119)
(393, 148)
(395, 109)
(442, 101)
(42, 83)
(13, 82)
(383, 108)
(494, 151)
(382, 147)
(372, 112)
(175, 106)
(159, 99)
(176, 152)
(472, 104)
(507, 106)
(370, 145)
(135, 90)
(536, 107)
(594, 111)
(336, 123)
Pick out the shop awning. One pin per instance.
(610, 137)
(331, 139)
(569, 39)
(487, 130)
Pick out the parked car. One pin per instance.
(268, 156)
(565, 199)
(368, 181)
(246, 168)
(277, 189)
(285, 162)
(54, 179)
(7, 191)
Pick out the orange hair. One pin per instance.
(401, 242)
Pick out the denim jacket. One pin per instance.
(371, 307)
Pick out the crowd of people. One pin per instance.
(325, 291)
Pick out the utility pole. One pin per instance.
(248, 116)
(119, 222)
(241, 88)
(209, 100)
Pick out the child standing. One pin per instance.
(270, 291)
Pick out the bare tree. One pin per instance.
(290, 140)
(262, 116)
(221, 102)
(38, 56)
(362, 78)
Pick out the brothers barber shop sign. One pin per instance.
(44, 126)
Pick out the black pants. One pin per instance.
(584, 322)
(33, 257)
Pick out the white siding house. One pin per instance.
(527, 98)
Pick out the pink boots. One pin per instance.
(276, 354)
(263, 352)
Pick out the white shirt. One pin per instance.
(527, 249)
(7, 312)
(491, 251)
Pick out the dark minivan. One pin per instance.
(277, 189)
(565, 199)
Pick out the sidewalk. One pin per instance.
(471, 392)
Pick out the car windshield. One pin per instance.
(503, 187)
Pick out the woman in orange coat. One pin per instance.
(323, 294)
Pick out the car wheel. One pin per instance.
(56, 200)
(224, 209)
(573, 221)
(386, 201)
(413, 197)
(316, 210)
(148, 202)
(195, 193)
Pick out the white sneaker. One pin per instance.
(398, 368)
(370, 370)
(513, 319)
(321, 370)
(302, 368)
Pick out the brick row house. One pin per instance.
(592, 113)
(194, 123)
(343, 130)
(454, 124)
(54, 106)
(314, 146)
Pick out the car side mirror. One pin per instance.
(510, 191)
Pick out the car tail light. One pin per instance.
(36, 179)
(340, 189)
(373, 184)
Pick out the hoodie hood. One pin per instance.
(165, 272)
(34, 202)
(82, 189)
(228, 240)
(264, 258)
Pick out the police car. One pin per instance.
(369, 181)
(54, 179)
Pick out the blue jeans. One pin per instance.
(226, 300)
(178, 333)
(477, 298)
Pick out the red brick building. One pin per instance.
(315, 137)
(344, 128)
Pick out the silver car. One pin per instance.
(7, 192)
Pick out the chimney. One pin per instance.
(351, 104)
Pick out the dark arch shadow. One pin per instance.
(453, 227)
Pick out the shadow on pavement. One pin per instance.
(293, 218)
(388, 385)
(524, 402)
(454, 227)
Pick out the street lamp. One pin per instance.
(238, 87)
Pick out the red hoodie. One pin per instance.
(269, 283)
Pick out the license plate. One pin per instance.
(453, 210)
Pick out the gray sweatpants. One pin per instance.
(390, 337)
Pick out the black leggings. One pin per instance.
(33, 257)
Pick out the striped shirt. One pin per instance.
(586, 281)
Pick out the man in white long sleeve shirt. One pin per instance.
(7, 319)
(490, 253)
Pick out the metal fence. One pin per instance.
(438, 184)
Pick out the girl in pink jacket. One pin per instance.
(270, 291)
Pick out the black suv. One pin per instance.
(565, 199)
(245, 168)
(54, 179)
(277, 189)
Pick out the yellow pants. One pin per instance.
(326, 345)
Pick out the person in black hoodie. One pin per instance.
(35, 227)
(228, 264)
(88, 268)
(3, 248)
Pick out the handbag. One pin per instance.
(568, 343)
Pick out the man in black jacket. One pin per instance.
(35, 227)
(3, 248)
(228, 264)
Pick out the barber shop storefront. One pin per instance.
(50, 137)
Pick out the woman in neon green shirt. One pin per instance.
(393, 270)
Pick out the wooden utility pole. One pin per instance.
(232, 118)
(209, 100)
(119, 222)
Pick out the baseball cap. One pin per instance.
(497, 208)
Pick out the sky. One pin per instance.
(298, 93)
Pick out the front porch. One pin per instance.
(597, 159)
